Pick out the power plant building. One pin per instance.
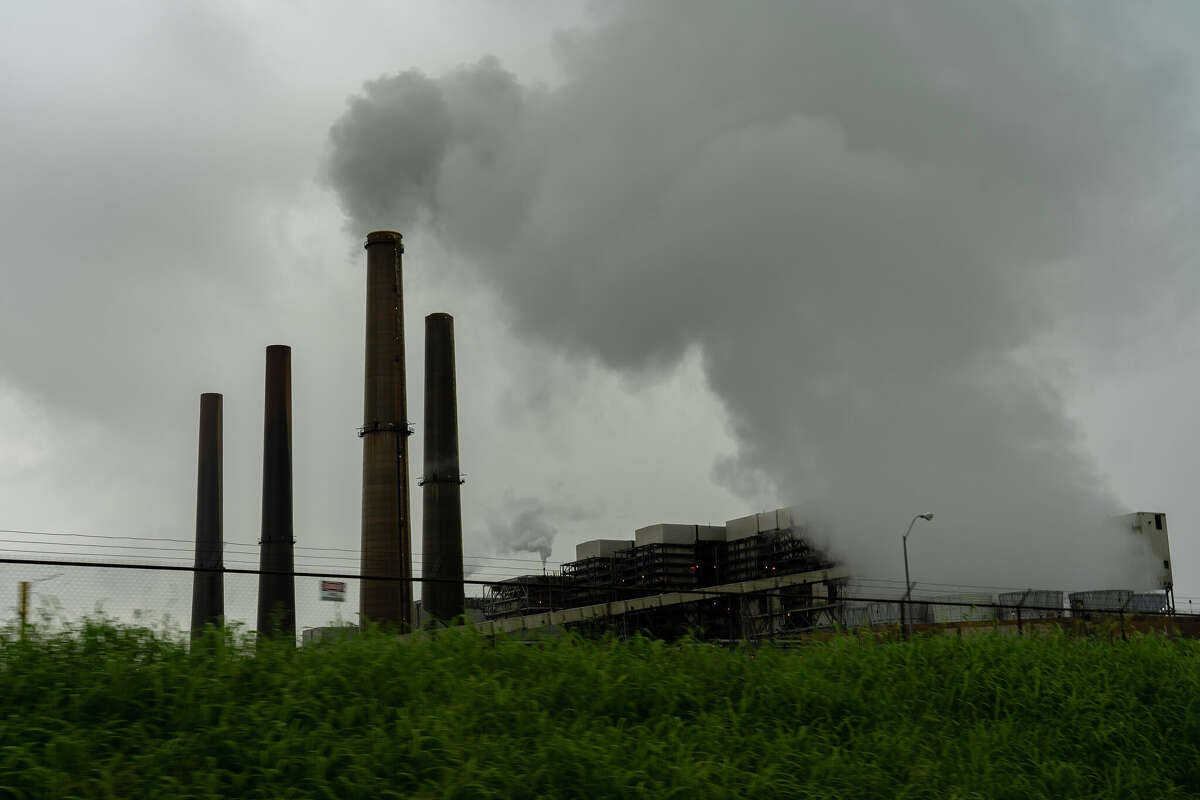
(797, 584)
(761, 576)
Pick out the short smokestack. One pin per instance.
(208, 582)
(386, 542)
(277, 593)
(441, 552)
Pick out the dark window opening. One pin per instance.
(1166, 564)
(1158, 520)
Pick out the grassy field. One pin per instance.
(121, 713)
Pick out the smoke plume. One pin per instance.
(523, 527)
(864, 216)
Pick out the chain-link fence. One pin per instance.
(54, 594)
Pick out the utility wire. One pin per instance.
(495, 575)
(468, 564)
(249, 544)
(475, 557)
(712, 594)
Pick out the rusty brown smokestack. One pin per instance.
(441, 551)
(277, 593)
(208, 583)
(386, 542)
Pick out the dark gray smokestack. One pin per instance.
(386, 542)
(208, 588)
(277, 593)
(442, 559)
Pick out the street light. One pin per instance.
(907, 582)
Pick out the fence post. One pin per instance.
(23, 605)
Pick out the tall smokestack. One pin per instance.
(277, 593)
(386, 543)
(441, 553)
(208, 588)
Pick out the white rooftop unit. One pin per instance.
(601, 548)
(668, 533)
(781, 519)
(741, 528)
(1153, 526)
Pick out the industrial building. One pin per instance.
(761, 576)
(756, 576)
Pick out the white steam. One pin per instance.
(858, 212)
(523, 526)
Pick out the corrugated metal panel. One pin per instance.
(855, 616)
(1148, 603)
(1035, 604)
(1101, 600)
(962, 613)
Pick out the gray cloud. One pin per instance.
(863, 215)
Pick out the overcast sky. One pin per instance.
(871, 258)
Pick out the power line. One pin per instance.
(636, 590)
(479, 556)
(475, 557)
(709, 594)
(468, 564)
(485, 570)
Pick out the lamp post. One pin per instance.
(907, 582)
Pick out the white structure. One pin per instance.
(601, 548)
(668, 533)
(781, 519)
(1153, 527)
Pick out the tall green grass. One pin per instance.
(115, 712)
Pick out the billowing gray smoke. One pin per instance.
(522, 527)
(860, 213)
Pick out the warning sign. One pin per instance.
(333, 590)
